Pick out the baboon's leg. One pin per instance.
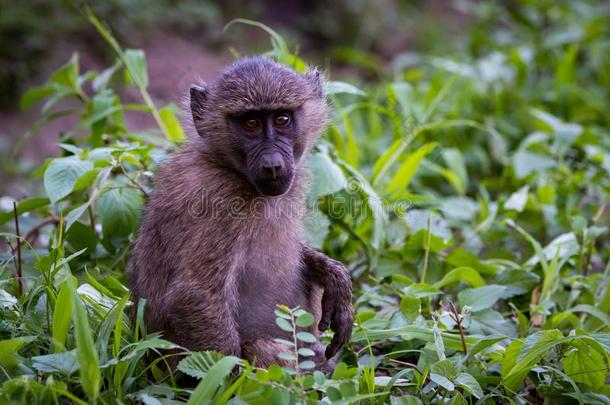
(203, 320)
(264, 352)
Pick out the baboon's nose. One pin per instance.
(272, 164)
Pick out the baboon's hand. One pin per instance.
(337, 309)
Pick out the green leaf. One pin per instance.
(284, 324)
(327, 176)
(64, 363)
(481, 298)
(465, 274)
(584, 364)
(303, 351)
(67, 75)
(10, 347)
(442, 381)
(483, 344)
(305, 320)
(470, 384)
(23, 206)
(307, 364)
(409, 166)
(317, 227)
(286, 356)
(61, 176)
(306, 337)
(135, 61)
(337, 87)
(86, 354)
(410, 306)
(456, 164)
(215, 376)
(174, 132)
(510, 357)
(119, 210)
(517, 200)
(62, 315)
(7, 300)
(34, 95)
(199, 363)
(445, 368)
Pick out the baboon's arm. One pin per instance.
(337, 308)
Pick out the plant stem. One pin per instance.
(295, 341)
(19, 264)
(426, 253)
(458, 319)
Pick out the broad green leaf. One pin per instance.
(306, 337)
(327, 176)
(407, 169)
(442, 381)
(465, 274)
(482, 344)
(303, 351)
(470, 384)
(304, 320)
(526, 163)
(62, 316)
(481, 298)
(517, 200)
(175, 133)
(64, 363)
(410, 306)
(214, 377)
(584, 364)
(119, 211)
(86, 354)
(284, 324)
(337, 87)
(288, 356)
(135, 61)
(198, 364)
(316, 225)
(307, 364)
(67, 75)
(61, 176)
(445, 368)
(34, 95)
(23, 206)
(9, 347)
(455, 162)
(7, 300)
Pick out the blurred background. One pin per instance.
(184, 40)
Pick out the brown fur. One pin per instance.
(211, 270)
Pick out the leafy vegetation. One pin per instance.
(467, 194)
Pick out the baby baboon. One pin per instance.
(221, 241)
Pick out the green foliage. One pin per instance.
(468, 194)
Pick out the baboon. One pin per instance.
(221, 240)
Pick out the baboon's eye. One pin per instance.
(281, 119)
(250, 123)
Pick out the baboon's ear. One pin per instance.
(316, 82)
(199, 95)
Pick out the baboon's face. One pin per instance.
(259, 118)
(270, 145)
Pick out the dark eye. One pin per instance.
(281, 120)
(250, 123)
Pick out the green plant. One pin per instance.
(467, 194)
